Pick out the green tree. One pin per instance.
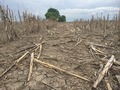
(62, 18)
(52, 13)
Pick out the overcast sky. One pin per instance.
(72, 9)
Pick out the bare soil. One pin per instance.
(65, 47)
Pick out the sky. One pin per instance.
(72, 9)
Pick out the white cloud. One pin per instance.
(81, 13)
(95, 10)
(71, 8)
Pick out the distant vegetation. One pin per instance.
(54, 14)
(62, 18)
(12, 26)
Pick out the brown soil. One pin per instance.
(60, 49)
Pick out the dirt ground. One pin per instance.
(67, 48)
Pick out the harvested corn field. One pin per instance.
(48, 55)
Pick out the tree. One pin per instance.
(52, 13)
(62, 18)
